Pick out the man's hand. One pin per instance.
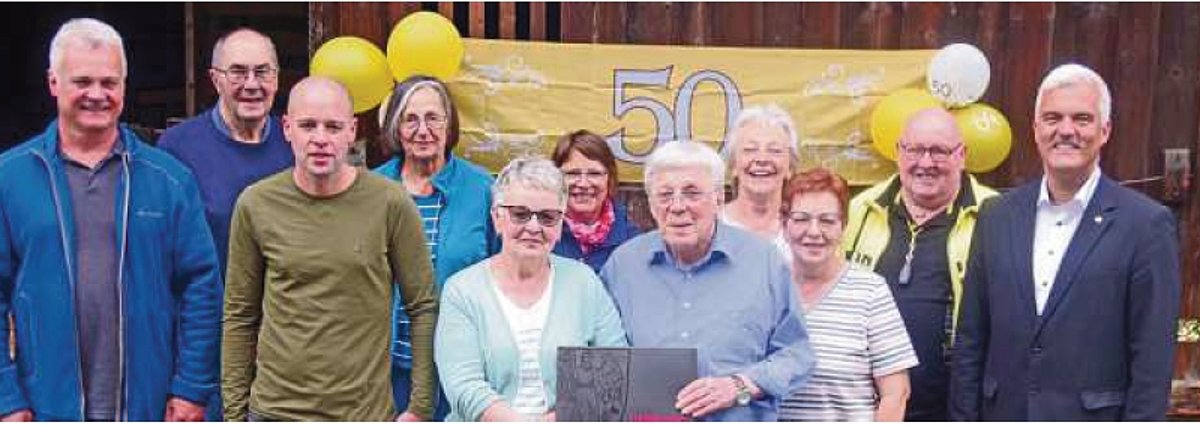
(24, 415)
(706, 396)
(180, 410)
(409, 416)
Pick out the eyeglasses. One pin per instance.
(412, 122)
(579, 175)
(824, 221)
(936, 153)
(520, 215)
(686, 196)
(238, 74)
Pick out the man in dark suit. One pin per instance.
(1072, 289)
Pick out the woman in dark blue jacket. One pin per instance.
(596, 223)
(453, 196)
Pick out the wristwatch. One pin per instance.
(743, 393)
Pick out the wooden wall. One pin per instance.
(1148, 52)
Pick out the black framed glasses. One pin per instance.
(936, 153)
(239, 74)
(520, 215)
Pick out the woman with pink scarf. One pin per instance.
(596, 223)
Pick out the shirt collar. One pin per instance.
(1082, 196)
(718, 250)
(223, 128)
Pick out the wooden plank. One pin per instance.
(537, 20)
(1127, 155)
(1175, 111)
(1084, 33)
(920, 26)
(962, 24)
(508, 20)
(577, 21)
(189, 61)
(397, 11)
(690, 28)
(323, 22)
(735, 24)
(446, 8)
(870, 26)
(990, 37)
(1027, 57)
(478, 20)
(821, 25)
(650, 23)
(611, 23)
(782, 24)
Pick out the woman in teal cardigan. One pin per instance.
(503, 319)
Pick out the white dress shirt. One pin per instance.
(1052, 235)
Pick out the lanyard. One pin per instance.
(914, 230)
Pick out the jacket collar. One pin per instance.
(128, 142)
(442, 181)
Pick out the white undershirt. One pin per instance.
(1056, 225)
(526, 325)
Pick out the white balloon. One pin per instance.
(958, 74)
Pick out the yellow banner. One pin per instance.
(517, 98)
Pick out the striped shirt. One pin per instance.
(858, 335)
(526, 325)
(430, 207)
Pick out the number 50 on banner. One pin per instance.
(672, 122)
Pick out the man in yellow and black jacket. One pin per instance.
(914, 229)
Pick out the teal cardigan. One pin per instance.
(476, 356)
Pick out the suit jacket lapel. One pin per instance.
(1096, 218)
(1025, 218)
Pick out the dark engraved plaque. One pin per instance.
(622, 384)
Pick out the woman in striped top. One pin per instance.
(503, 319)
(863, 350)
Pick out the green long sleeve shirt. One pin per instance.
(308, 302)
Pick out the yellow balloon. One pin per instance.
(359, 65)
(892, 113)
(424, 43)
(986, 134)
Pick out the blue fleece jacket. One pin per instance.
(465, 226)
(167, 276)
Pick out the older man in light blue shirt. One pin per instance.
(698, 284)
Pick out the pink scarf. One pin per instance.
(591, 235)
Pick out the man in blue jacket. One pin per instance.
(106, 264)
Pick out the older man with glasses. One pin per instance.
(235, 143)
(697, 283)
(914, 229)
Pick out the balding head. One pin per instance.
(318, 89)
(931, 157)
(244, 39)
(932, 120)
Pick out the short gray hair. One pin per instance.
(219, 47)
(1071, 74)
(90, 31)
(770, 115)
(686, 154)
(530, 172)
